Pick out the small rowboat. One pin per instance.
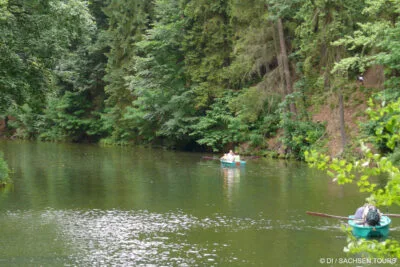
(232, 163)
(359, 230)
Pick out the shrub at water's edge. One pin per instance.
(4, 171)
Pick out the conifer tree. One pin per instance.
(163, 103)
(207, 47)
(127, 22)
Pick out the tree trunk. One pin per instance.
(342, 128)
(285, 63)
(279, 59)
(6, 123)
(326, 80)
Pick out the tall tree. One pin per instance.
(127, 21)
(375, 41)
(74, 111)
(323, 22)
(37, 36)
(25, 58)
(207, 48)
(279, 11)
(285, 63)
(163, 105)
(254, 55)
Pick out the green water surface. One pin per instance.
(85, 205)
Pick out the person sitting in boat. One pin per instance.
(229, 157)
(226, 157)
(369, 214)
(235, 157)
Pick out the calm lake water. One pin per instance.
(84, 205)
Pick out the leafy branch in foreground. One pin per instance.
(372, 248)
(364, 170)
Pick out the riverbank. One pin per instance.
(326, 113)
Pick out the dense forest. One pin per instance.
(306, 79)
(203, 75)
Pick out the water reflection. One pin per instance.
(231, 180)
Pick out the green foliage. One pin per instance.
(256, 108)
(26, 122)
(39, 45)
(347, 171)
(183, 71)
(322, 23)
(362, 171)
(228, 121)
(376, 41)
(73, 112)
(395, 157)
(162, 105)
(282, 8)
(4, 171)
(66, 119)
(369, 248)
(253, 50)
(252, 103)
(117, 133)
(390, 58)
(299, 135)
(127, 23)
(219, 127)
(206, 46)
(35, 35)
(383, 128)
(4, 13)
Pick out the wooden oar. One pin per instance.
(344, 218)
(209, 158)
(327, 215)
(216, 158)
(392, 215)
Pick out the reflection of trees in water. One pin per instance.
(6, 189)
(231, 177)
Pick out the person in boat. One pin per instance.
(226, 157)
(236, 157)
(369, 214)
(231, 157)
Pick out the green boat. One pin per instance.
(232, 164)
(359, 230)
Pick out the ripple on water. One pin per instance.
(135, 238)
